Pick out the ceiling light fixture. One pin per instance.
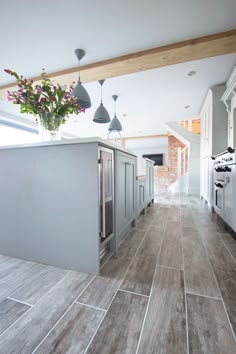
(192, 73)
(186, 107)
(101, 114)
(115, 125)
(79, 91)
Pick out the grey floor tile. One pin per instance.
(208, 327)
(121, 327)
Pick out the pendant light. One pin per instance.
(79, 91)
(115, 124)
(101, 115)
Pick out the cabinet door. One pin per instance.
(143, 193)
(151, 180)
(147, 189)
(121, 176)
(139, 195)
(130, 189)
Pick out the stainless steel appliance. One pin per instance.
(106, 195)
(224, 171)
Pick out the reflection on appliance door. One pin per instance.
(219, 197)
(228, 195)
(106, 194)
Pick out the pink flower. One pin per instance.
(42, 100)
(66, 96)
(39, 88)
(8, 71)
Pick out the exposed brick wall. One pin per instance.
(166, 175)
(162, 177)
(173, 145)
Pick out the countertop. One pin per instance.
(98, 140)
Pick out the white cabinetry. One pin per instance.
(213, 137)
(229, 99)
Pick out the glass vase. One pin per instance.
(49, 126)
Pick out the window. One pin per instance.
(11, 134)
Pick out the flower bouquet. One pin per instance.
(50, 103)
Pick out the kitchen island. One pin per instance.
(66, 203)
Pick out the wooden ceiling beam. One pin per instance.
(193, 49)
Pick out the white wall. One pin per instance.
(149, 146)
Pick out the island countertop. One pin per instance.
(97, 140)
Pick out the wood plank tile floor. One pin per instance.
(171, 288)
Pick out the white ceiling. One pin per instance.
(45, 33)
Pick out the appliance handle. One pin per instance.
(103, 202)
(219, 185)
(229, 150)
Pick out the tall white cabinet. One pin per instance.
(229, 99)
(213, 137)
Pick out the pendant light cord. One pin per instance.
(79, 69)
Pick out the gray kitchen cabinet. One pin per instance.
(95, 191)
(149, 181)
(125, 194)
(141, 197)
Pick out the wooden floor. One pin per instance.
(171, 288)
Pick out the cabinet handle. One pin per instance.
(103, 201)
(126, 163)
(219, 185)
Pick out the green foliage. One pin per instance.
(44, 99)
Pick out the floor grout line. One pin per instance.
(200, 231)
(206, 296)
(231, 327)
(106, 260)
(145, 315)
(16, 319)
(218, 234)
(28, 281)
(185, 297)
(162, 266)
(62, 315)
(36, 302)
(21, 302)
(133, 292)
(144, 237)
(93, 307)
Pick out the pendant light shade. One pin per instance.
(79, 91)
(115, 124)
(82, 95)
(101, 114)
